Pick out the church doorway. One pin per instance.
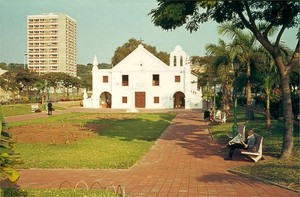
(105, 100)
(179, 100)
(140, 99)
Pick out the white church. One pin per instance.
(141, 80)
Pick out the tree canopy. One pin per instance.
(124, 50)
(172, 14)
(251, 15)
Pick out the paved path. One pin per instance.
(183, 162)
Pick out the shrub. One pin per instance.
(8, 157)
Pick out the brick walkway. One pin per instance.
(183, 162)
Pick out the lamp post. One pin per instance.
(25, 54)
(207, 85)
(236, 66)
(215, 83)
(47, 90)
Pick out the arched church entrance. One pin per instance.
(105, 100)
(179, 100)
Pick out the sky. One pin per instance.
(103, 26)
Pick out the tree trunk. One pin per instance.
(288, 133)
(268, 115)
(54, 89)
(67, 93)
(249, 115)
(14, 97)
(225, 100)
(27, 92)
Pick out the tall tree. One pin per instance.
(26, 80)
(9, 83)
(242, 47)
(244, 14)
(3, 66)
(267, 78)
(54, 80)
(222, 62)
(84, 72)
(124, 50)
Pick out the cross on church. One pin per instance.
(141, 40)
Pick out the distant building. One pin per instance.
(141, 80)
(51, 43)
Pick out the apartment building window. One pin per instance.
(177, 78)
(124, 99)
(105, 79)
(156, 99)
(125, 80)
(155, 80)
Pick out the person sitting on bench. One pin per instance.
(233, 144)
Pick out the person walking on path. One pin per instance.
(50, 108)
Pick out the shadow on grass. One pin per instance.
(8, 189)
(189, 134)
(128, 129)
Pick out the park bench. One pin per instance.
(34, 107)
(241, 130)
(256, 153)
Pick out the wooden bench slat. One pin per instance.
(250, 153)
(229, 135)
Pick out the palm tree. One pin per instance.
(41, 86)
(222, 63)
(243, 47)
(268, 75)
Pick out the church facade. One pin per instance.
(141, 80)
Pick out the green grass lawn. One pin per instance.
(120, 145)
(21, 109)
(283, 172)
(17, 109)
(9, 192)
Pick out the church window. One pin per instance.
(175, 61)
(156, 99)
(177, 78)
(181, 61)
(105, 79)
(124, 99)
(155, 80)
(125, 80)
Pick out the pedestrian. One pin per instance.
(50, 109)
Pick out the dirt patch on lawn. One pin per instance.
(55, 133)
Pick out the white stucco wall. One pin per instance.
(140, 66)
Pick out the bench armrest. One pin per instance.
(250, 153)
(229, 135)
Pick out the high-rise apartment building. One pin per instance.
(51, 43)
